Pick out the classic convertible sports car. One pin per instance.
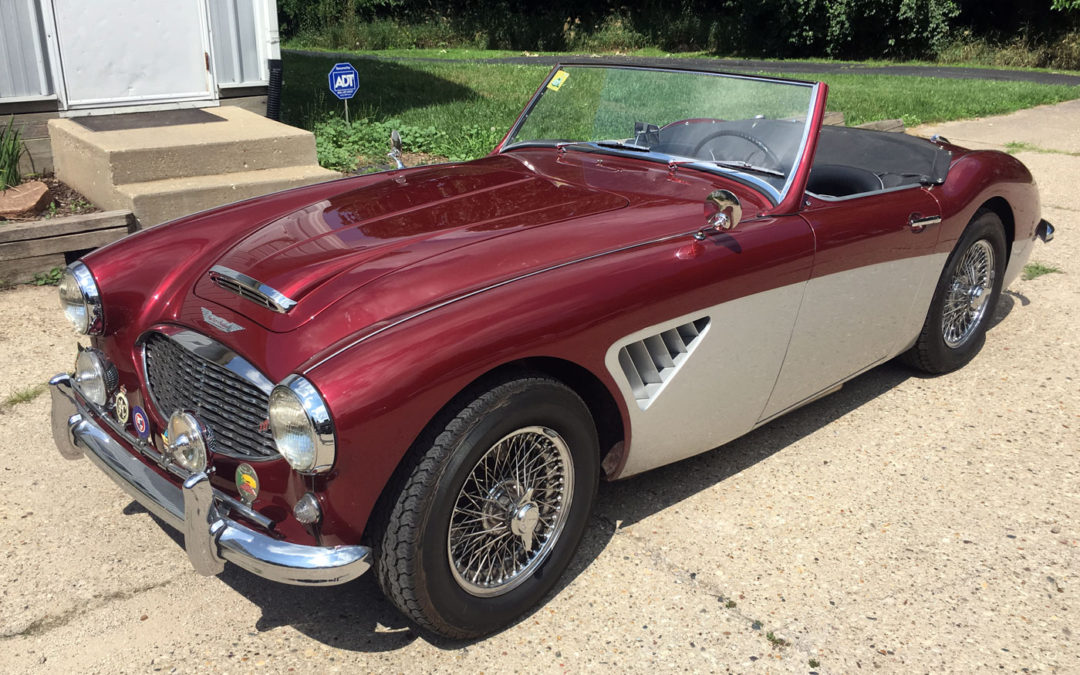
(428, 370)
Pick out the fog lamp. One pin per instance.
(188, 441)
(96, 377)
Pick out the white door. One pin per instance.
(130, 52)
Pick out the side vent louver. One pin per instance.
(651, 362)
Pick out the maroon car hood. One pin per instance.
(316, 255)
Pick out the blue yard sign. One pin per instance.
(344, 81)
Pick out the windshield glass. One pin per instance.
(756, 127)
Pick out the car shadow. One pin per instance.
(357, 617)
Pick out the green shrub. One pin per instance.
(11, 150)
(342, 146)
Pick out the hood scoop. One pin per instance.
(250, 289)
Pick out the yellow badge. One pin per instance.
(121, 407)
(247, 483)
(558, 81)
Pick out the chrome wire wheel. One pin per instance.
(971, 288)
(510, 511)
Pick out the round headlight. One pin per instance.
(95, 375)
(188, 441)
(80, 300)
(300, 423)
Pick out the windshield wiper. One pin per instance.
(746, 166)
(621, 145)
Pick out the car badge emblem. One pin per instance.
(223, 325)
(141, 422)
(247, 483)
(121, 406)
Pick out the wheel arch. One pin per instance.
(1001, 207)
(598, 399)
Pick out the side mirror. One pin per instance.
(723, 211)
(395, 149)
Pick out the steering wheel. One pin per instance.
(750, 138)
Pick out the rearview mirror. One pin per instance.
(723, 211)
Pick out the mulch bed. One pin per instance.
(66, 200)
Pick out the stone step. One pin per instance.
(155, 202)
(244, 141)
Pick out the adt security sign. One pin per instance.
(344, 81)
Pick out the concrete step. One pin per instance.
(244, 141)
(155, 202)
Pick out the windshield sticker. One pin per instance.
(558, 80)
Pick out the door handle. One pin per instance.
(917, 222)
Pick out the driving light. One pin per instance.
(95, 375)
(307, 510)
(188, 441)
(301, 426)
(80, 300)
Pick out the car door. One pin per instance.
(874, 272)
(700, 379)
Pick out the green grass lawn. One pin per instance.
(461, 110)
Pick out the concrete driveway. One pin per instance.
(903, 524)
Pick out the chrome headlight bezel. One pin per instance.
(309, 448)
(79, 291)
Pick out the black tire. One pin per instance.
(413, 564)
(931, 352)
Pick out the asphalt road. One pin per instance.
(750, 66)
(903, 524)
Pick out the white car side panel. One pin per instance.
(851, 320)
(718, 393)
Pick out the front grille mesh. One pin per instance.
(233, 408)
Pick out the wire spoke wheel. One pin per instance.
(510, 511)
(970, 288)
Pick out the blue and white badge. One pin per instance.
(344, 81)
(141, 422)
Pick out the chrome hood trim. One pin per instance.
(252, 289)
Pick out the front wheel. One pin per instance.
(492, 509)
(964, 300)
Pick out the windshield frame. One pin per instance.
(776, 197)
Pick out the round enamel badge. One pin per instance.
(247, 483)
(122, 407)
(140, 422)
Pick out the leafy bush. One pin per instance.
(11, 150)
(342, 146)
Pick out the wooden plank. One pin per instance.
(32, 125)
(68, 242)
(38, 157)
(54, 227)
(834, 118)
(23, 270)
(884, 125)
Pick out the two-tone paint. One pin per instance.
(412, 285)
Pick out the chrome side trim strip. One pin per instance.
(210, 537)
(276, 300)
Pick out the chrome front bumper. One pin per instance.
(210, 537)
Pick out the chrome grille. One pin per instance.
(253, 290)
(232, 406)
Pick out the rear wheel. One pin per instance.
(964, 300)
(492, 509)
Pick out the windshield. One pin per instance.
(756, 127)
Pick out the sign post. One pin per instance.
(344, 82)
